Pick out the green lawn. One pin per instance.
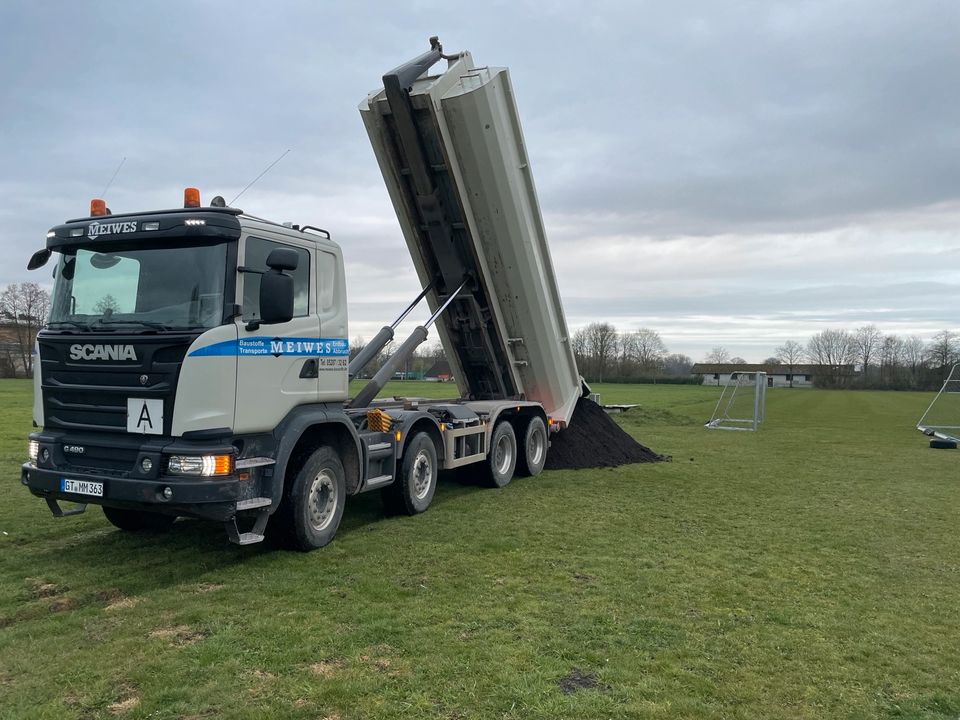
(809, 570)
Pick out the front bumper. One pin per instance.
(214, 499)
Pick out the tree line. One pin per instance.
(881, 360)
(865, 357)
(605, 354)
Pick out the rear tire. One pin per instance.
(138, 520)
(533, 449)
(412, 492)
(315, 500)
(502, 460)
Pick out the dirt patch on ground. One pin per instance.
(377, 659)
(180, 635)
(262, 675)
(116, 600)
(594, 440)
(576, 680)
(327, 668)
(62, 604)
(122, 603)
(209, 587)
(122, 707)
(40, 588)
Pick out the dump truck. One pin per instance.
(196, 360)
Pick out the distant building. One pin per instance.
(777, 375)
(440, 372)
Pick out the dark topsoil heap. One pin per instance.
(593, 440)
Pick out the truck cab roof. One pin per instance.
(173, 224)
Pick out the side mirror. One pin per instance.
(276, 295)
(39, 259)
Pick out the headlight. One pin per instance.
(33, 449)
(200, 465)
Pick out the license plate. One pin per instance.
(81, 487)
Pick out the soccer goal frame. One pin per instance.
(729, 406)
(944, 432)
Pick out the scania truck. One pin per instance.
(196, 360)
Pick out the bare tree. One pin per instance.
(772, 360)
(107, 305)
(791, 354)
(649, 349)
(628, 351)
(356, 346)
(718, 356)
(579, 345)
(867, 341)
(602, 341)
(913, 356)
(677, 364)
(891, 353)
(832, 349)
(26, 306)
(943, 351)
(737, 360)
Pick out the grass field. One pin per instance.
(809, 570)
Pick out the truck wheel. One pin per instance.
(316, 498)
(502, 459)
(533, 450)
(412, 492)
(138, 520)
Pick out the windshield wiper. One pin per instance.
(146, 323)
(151, 324)
(83, 326)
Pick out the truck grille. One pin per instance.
(92, 394)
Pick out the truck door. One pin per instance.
(276, 364)
(332, 311)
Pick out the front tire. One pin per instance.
(412, 492)
(138, 520)
(533, 449)
(502, 460)
(316, 498)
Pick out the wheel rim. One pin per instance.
(536, 446)
(422, 472)
(322, 502)
(503, 455)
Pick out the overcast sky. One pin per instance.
(727, 173)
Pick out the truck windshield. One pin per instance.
(165, 287)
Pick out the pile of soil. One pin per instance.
(593, 440)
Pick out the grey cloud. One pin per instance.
(644, 122)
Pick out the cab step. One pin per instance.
(256, 533)
(376, 482)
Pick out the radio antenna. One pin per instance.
(266, 170)
(113, 177)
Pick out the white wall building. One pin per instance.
(797, 376)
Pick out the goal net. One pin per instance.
(740, 406)
(942, 418)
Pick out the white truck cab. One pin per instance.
(196, 360)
